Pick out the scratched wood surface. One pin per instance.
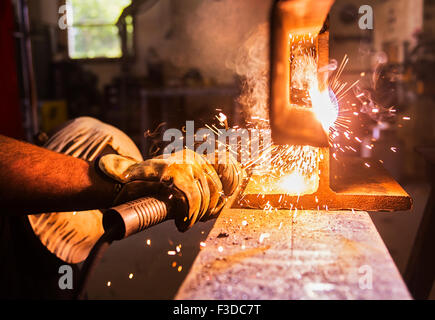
(253, 254)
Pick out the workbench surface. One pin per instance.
(283, 254)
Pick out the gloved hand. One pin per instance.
(229, 171)
(203, 185)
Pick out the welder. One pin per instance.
(35, 180)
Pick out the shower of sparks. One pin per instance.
(296, 167)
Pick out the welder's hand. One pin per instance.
(229, 171)
(184, 172)
(230, 174)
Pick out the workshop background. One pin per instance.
(136, 64)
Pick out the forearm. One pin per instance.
(36, 180)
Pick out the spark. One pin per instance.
(222, 118)
(263, 236)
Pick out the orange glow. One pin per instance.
(298, 183)
(297, 166)
(293, 170)
(304, 81)
(324, 108)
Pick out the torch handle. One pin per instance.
(121, 222)
(134, 216)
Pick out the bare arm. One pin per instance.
(35, 180)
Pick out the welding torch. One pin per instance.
(137, 215)
(124, 220)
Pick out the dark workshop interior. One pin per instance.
(146, 66)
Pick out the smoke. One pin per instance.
(222, 38)
(210, 33)
(252, 64)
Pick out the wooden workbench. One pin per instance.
(254, 254)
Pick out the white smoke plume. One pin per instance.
(210, 34)
(252, 64)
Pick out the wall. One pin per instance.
(397, 22)
(203, 34)
(429, 17)
(346, 38)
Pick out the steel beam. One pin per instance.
(354, 183)
(255, 254)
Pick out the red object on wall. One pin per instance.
(10, 114)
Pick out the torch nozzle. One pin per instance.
(135, 216)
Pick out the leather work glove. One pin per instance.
(186, 174)
(229, 171)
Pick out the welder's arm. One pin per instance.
(35, 180)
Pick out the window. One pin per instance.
(92, 29)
